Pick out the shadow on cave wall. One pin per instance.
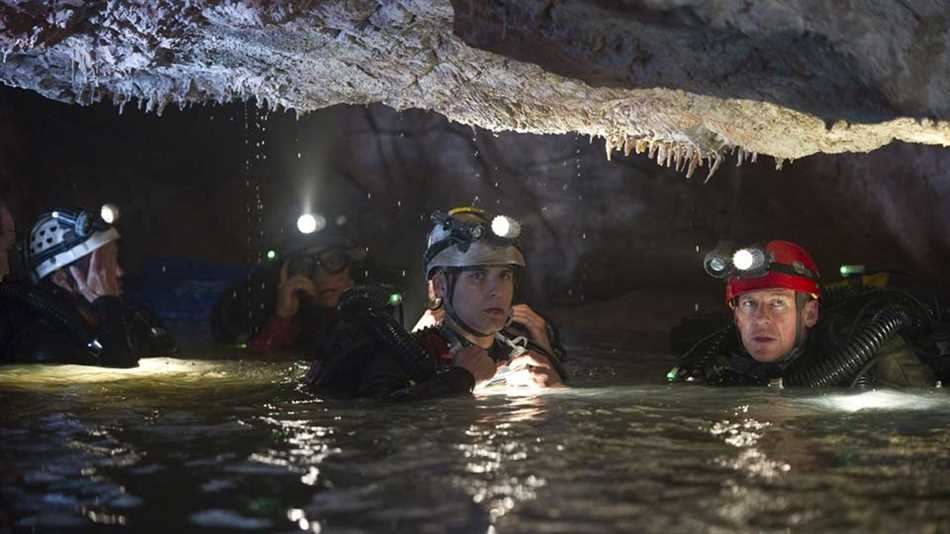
(223, 183)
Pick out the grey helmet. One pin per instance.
(63, 236)
(470, 237)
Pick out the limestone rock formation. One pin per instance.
(687, 82)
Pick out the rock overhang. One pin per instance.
(688, 83)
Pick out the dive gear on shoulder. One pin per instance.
(883, 314)
(367, 306)
(39, 302)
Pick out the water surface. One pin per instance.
(206, 445)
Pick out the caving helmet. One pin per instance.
(469, 237)
(63, 236)
(779, 264)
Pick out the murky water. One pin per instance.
(200, 445)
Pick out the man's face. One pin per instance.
(482, 297)
(766, 320)
(329, 287)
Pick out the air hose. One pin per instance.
(37, 301)
(366, 306)
(697, 356)
(847, 360)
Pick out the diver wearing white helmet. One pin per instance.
(73, 312)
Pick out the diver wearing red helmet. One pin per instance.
(774, 293)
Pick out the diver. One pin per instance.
(473, 262)
(778, 337)
(293, 307)
(72, 311)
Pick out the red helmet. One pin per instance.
(789, 266)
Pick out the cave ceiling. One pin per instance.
(690, 83)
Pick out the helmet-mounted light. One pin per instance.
(309, 223)
(750, 261)
(718, 262)
(745, 262)
(469, 236)
(109, 213)
(506, 227)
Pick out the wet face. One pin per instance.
(482, 297)
(329, 287)
(767, 324)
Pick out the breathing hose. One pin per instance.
(365, 305)
(36, 300)
(849, 359)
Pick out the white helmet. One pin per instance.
(468, 237)
(63, 236)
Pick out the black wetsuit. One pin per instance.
(361, 365)
(720, 359)
(44, 324)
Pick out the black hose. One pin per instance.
(38, 301)
(845, 361)
(366, 305)
(701, 351)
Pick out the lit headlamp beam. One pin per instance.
(109, 213)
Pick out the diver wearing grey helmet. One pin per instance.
(472, 264)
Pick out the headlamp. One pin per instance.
(718, 262)
(506, 227)
(83, 224)
(309, 223)
(749, 262)
(109, 213)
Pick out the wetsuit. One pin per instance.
(720, 359)
(361, 365)
(44, 324)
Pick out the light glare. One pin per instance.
(743, 259)
(503, 226)
(309, 223)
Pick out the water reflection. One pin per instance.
(234, 445)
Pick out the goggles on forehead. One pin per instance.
(329, 261)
